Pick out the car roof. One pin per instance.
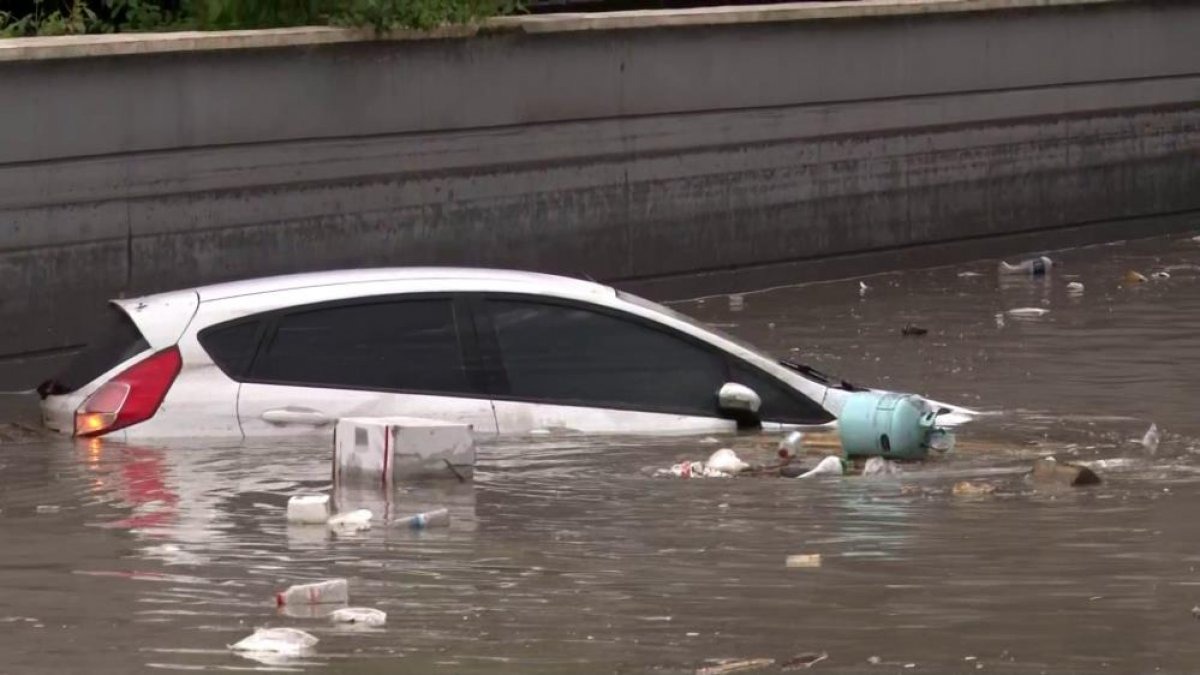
(482, 276)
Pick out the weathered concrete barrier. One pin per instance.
(635, 147)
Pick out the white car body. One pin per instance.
(203, 401)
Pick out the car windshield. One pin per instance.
(804, 370)
(654, 306)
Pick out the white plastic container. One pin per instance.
(331, 592)
(422, 521)
(308, 509)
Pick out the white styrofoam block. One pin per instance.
(308, 509)
(385, 448)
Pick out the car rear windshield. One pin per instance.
(117, 340)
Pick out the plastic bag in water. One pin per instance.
(362, 616)
(285, 641)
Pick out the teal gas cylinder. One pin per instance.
(895, 426)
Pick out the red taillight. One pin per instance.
(131, 397)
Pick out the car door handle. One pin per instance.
(307, 416)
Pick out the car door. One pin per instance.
(561, 365)
(397, 356)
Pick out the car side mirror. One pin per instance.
(739, 403)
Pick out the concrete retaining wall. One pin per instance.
(635, 147)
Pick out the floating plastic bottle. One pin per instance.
(331, 592)
(1034, 266)
(791, 445)
(423, 521)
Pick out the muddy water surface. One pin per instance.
(568, 555)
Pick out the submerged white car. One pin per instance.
(507, 352)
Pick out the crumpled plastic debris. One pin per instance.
(1151, 439)
(723, 463)
(692, 470)
(830, 466)
(353, 521)
(361, 616)
(880, 467)
(285, 641)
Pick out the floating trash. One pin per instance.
(1034, 266)
(1050, 470)
(1028, 312)
(1160, 276)
(1075, 287)
(726, 666)
(331, 592)
(969, 489)
(863, 288)
(361, 616)
(308, 509)
(802, 560)
(1134, 277)
(805, 660)
(910, 330)
(353, 521)
(424, 521)
(878, 466)
(726, 461)
(830, 466)
(791, 445)
(285, 641)
(1151, 438)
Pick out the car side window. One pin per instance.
(231, 346)
(779, 402)
(403, 345)
(571, 356)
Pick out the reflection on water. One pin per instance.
(566, 554)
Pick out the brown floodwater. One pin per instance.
(567, 554)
